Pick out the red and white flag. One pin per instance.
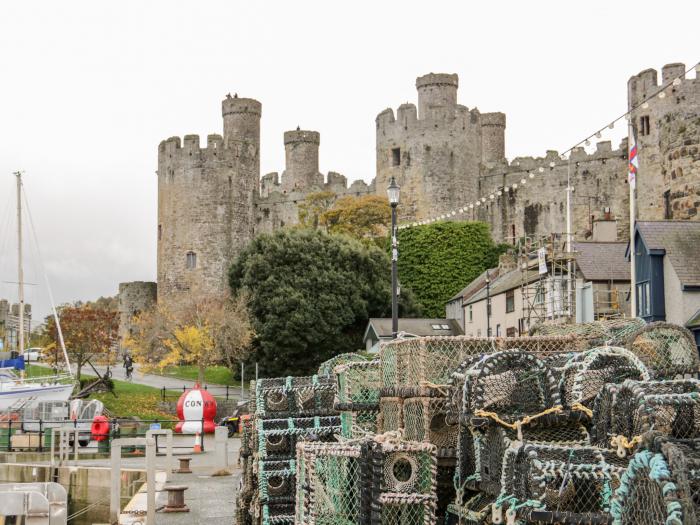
(633, 160)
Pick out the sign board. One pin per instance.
(542, 259)
(155, 426)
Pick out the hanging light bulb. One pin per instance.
(541, 169)
(483, 199)
(454, 213)
(598, 135)
(499, 193)
(532, 175)
(551, 165)
(676, 81)
(587, 143)
(515, 186)
(645, 105)
(522, 181)
(662, 94)
(477, 203)
(628, 116)
(492, 196)
(611, 126)
(471, 206)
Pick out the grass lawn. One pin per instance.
(132, 399)
(213, 375)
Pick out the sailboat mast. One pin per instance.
(20, 269)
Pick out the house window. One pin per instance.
(510, 331)
(539, 293)
(643, 299)
(396, 157)
(644, 126)
(471, 314)
(191, 261)
(521, 326)
(510, 301)
(498, 330)
(160, 231)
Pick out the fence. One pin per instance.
(221, 391)
(14, 436)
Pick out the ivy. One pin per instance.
(436, 261)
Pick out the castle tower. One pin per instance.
(206, 203)
(493, 141)
(301, 154)
(134, 298)
(435, 151)
(668, 135)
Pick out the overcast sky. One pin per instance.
(90, 88)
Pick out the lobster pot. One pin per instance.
(661, 485)
(559, 484)
(482, 450)
(404, 509)
(669, 408)
(276, 481)
(669, 351)
(390, 414)
(403, 482)
(584, 375)
(330, 484)
(327, 367)
(476, 510)
(295, 396)
(425, 419)
(596, 333)
(356, 424)
(277, 514)
(359, 383)
(277, 438)
(432, 360)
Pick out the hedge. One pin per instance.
(436, 261)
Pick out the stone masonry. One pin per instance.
(212, 200)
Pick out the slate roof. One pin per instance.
(419, 327)
(503, 283)
(602, 261)
(475, 285)
(681, 242)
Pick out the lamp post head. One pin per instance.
(393, 191)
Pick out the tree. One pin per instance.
(438, 260)
(87, 332)
(366, 217)
(311, 295)
(315, 204)
(202, 331)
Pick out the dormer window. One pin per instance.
(191, 261)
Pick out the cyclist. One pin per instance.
(129, 365)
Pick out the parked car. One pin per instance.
(33, 354)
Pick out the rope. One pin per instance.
(582, 408)
(524, 421)
(621, 443)
(440, 388)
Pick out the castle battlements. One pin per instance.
(646, 83)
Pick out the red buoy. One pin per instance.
(194, 407)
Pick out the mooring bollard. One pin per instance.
(184, 465)
(176, 499)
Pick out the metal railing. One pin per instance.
(39, 440)
(221, 391)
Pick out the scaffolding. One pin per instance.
(547, 280)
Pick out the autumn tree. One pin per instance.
(365, 218)
(204, 331)
(313, 207)
(87, 333)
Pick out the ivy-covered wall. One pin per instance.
(437, 260)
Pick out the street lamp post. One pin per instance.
(488, 304)
(393, 192)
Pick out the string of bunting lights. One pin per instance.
(532, 172)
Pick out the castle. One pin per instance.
(212, 200)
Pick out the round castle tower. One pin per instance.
(206, 202)
(301, 160)
(668, 135)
